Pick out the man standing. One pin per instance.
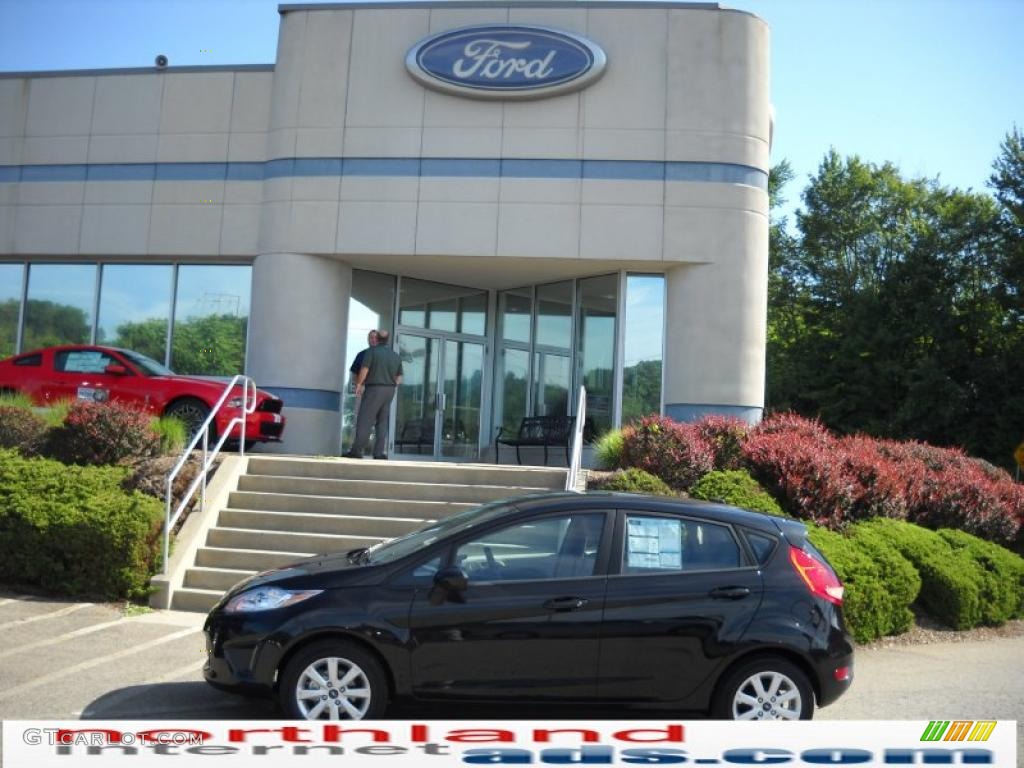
(379, 376)
(357, 365)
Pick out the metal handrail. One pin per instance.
(577, 442)
(203, 433)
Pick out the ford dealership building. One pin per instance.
(531, 196)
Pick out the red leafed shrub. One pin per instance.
(103, 433)
(803, 468)
(677, 453)
(881, 487)
(22, 429)
(726, 435)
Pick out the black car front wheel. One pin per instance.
(769, 688)
(333, 680)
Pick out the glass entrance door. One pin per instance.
(438, 412)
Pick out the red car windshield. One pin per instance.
(146, 365)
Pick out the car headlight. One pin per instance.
(267, 599)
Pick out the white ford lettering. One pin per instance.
(484, 57)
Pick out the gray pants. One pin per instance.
(374, 411)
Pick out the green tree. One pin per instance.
(48, 323)
(894, 308)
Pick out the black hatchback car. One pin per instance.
(594, 597)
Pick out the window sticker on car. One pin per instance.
(93, 393)
(85, 362)
(654, 542)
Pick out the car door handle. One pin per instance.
(562, 604)
(729, 593)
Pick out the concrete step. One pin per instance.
(317, 543)
(196, 600)
(409, 471)
(305, 522)
(382, 489)
(221, 579)
(340, 505)
(246, 559)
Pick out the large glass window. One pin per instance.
(597, 312)
(443, 307)
(642, 350)
(135, 307)
(210, 318)
(371, 307)
(11, 277)
(552, 375)
(60, 305)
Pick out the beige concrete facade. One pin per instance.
(262, 164)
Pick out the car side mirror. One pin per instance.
(452, 579)
(115, 370)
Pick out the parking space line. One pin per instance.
(61, 638)
(51, 615)
(63, 673)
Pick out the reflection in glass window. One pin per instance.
(371, 307)
(512, 381)
(60, 304)
(552, 381)
(442, 307)
(514, 308)
(551, 548)
(597, 313)
(210, 318)
(644, 332)
(135, 307)
(11, 277)
(554, 315)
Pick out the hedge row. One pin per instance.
(72, 530)
(887, 564)
(737, 488)
(834, 481)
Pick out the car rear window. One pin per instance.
(761, 545)
(29, 360)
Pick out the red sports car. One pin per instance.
(105, 373)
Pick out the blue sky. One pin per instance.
(932, 85)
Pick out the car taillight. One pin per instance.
(818, 577)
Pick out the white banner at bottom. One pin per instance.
(397, 744)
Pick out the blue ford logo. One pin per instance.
(505, 62)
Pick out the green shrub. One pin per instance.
(57, 411)
(1002, 575)
(951, 581)
(102, 433)
(608, 449)
(172, 432)
(21, 429)
(73, 531)
(735, 487)
(878, 592)
(637, 481)
(9, 399)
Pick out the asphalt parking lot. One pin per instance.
(69, 660)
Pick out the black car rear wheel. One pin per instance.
(333, 680)
(769, 688)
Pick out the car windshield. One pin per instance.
(389, 551)
(147, 365)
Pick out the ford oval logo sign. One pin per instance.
(506, 62)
